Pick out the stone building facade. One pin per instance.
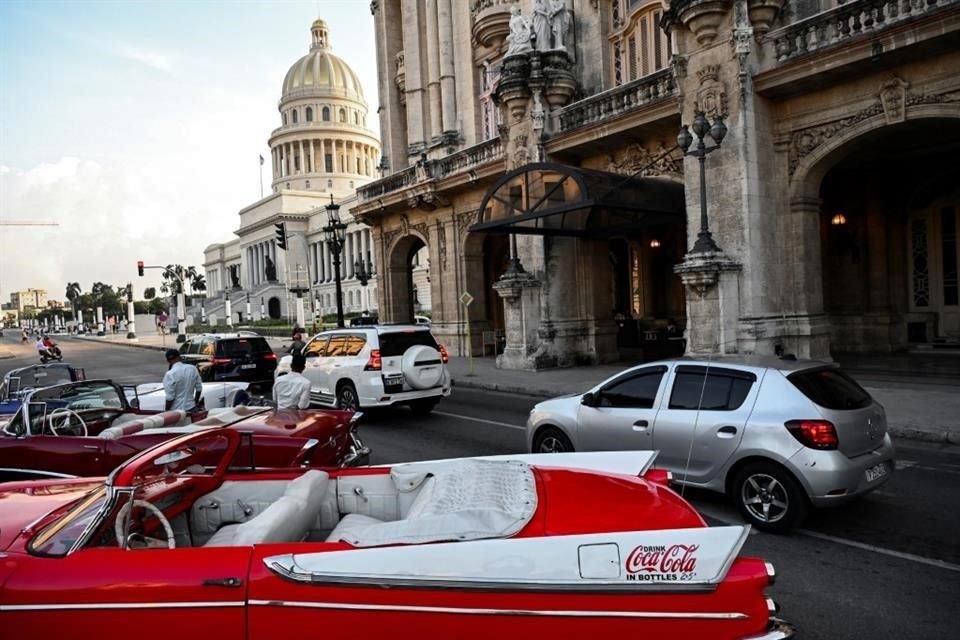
(322, 151)
(531, 147)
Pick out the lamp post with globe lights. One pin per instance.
(716, 131)
(334, 233)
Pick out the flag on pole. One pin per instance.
(261, 159)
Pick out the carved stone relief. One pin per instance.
(712, 94)
(890, 102)
(643, 161)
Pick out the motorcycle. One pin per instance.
(52, 353)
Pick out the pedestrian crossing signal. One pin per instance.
(140, 267)
(281, 231)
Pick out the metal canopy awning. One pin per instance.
(553, 199)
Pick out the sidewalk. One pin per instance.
(915, 410)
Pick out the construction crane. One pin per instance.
(27, 223)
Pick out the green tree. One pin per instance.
(73, 293)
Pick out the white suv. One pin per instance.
(375, 366)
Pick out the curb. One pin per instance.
(905, 432)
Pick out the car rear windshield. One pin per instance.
(242, 346)
(831, 389)
(396, 344)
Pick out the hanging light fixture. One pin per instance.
(838, 219)
(654, 244)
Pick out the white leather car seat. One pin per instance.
(289, 519)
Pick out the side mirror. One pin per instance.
(590, 399)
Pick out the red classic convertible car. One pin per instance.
(87, 428)
(565, 546)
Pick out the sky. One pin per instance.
(137, 126)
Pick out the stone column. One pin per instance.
(448, 89)
(521, 314)
(433, 70)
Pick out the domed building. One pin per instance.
(322, 152)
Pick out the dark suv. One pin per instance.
(233, 357)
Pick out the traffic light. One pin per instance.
(140, 267)
(281, 231)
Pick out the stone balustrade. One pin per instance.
(475, 156)
(618, 101)
(848, 21)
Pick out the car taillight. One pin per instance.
(816, 434)
(375, 363)
(221, 360)
(269, 356)
(443, 353)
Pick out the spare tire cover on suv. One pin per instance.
(422, 367)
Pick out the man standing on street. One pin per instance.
(181, 384)
(292, 391)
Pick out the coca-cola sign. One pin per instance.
(663, 563)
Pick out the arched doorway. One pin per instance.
(273, 308)
(889, 231)
(408, 279)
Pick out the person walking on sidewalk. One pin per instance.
(292, 391)
(181, 384)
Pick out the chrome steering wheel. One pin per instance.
(124, 513)
(65, 420)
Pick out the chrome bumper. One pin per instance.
(778, 630)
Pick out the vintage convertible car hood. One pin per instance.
(22, 503)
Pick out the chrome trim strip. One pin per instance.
(285, 567)
(121, 605)
(52, 474)
(698, 615)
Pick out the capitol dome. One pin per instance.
(323, 142)
(320, 73)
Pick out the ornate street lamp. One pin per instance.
(363, 270)
(717, 131)
(334, 233)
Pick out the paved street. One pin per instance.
(887, 566)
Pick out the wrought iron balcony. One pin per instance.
(848, 21)
(614, 102)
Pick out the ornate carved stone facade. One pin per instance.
(810, 255)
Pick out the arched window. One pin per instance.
(293, 114)
(342, 116)
(326, 114)
(639, 45)
(309, 114)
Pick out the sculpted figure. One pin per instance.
(520, 32)
(541, 24)
(559, 22)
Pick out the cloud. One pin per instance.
(153, 59)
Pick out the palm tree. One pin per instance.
(73, 293)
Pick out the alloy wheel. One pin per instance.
(765, 498)
(347, 399)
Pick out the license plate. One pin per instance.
(248, 366)
(877, 471)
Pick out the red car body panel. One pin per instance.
(282, 438)
(99, 592)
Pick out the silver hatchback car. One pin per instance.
(776, 435)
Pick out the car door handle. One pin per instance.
(222, 582)
(726, 432)
(640, 425)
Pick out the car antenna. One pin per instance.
(696, 423)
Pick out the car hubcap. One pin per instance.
(765, 498)
(551, 444)
(348, 400)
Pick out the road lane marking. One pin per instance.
(903, 555)
(481, 420)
